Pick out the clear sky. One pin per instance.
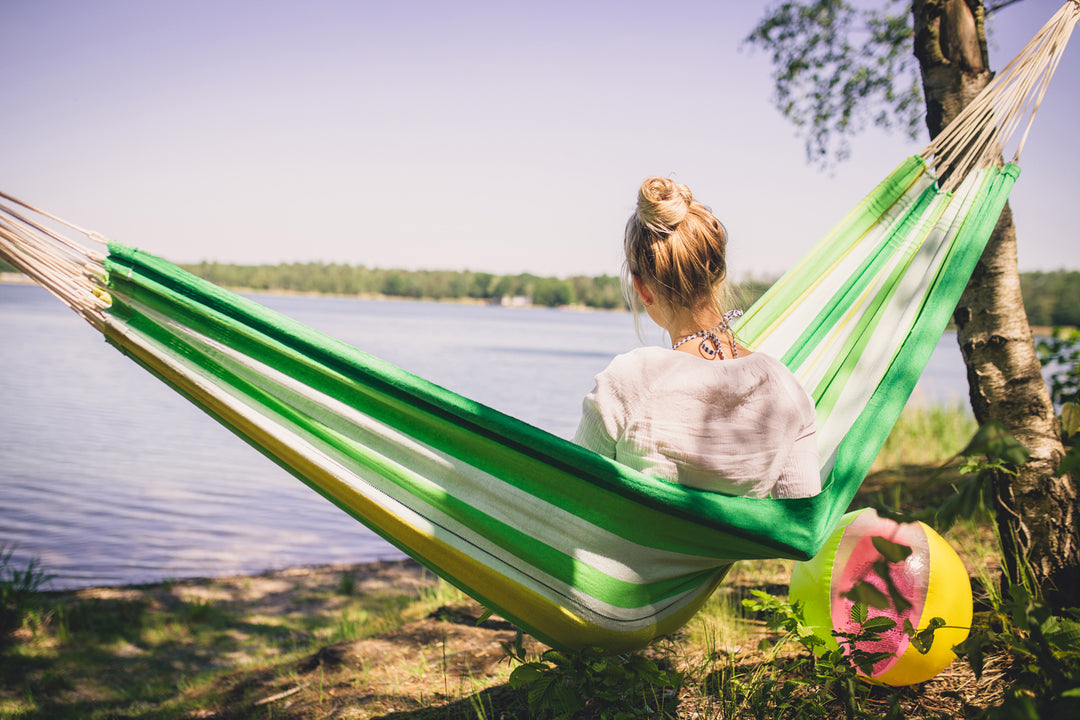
(495, 136)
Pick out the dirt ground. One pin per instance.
(451, 662)
(445, 663)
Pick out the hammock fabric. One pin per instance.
(570, 546)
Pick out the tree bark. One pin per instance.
(1036, 510)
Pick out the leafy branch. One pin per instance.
(839, 68)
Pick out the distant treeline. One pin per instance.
(595, 292)
(601, 292)
(1051, 298)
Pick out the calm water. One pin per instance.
(109, 477)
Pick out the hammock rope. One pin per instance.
(979, 134)
(72, 272)
(570, 546)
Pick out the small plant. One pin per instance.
(925, 434)
(17, 589)
(1060, 354)
(346, 584)
(353, 624)
(201, 612)
(565, 684)
(1045, 649)
(441, 593)
(992, 450)
(838, 675)
(1060, 358)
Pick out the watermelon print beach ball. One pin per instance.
(932, 579)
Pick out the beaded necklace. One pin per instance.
(712, 336)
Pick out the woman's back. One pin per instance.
(740, 426)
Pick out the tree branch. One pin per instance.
(991, 9)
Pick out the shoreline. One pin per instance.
(404, 566)
(20, 279)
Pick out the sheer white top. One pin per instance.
(741, 426)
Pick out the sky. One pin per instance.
(502, 137)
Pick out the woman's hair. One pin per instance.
(677, 246)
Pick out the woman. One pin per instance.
(706, 412)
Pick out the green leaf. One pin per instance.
(891, 551)
(555, 657)
(525, 675)
(1070, 419)
(548, 693)
(883, 571)
(994, 440)
(879, 624)
(866, 665)
(865, 593)
(974, 648)
(1066, 635)
(968, 499)
(640, 663)
(1070, 464)
(923, 639)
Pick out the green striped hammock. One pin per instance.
(572, 547)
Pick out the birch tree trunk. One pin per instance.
(1036, 510)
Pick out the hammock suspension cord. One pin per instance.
(979, 134)
(72, 272)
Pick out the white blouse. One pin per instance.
(741, 426)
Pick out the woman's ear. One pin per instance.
(643, 290)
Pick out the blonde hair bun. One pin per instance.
(662, 204)
(677, 246)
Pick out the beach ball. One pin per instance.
(932, 579)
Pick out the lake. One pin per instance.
(108, 477)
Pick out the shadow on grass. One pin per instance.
(495, 702)
(133, 657)
(916, 489)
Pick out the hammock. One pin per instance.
(572, 547)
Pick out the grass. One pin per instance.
(166, 650)
(391, 641)
(926, 435)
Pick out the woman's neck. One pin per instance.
(687, 322)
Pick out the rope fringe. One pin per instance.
(72, 272)
(976, 138)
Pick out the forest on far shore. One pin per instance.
(1051, 298)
